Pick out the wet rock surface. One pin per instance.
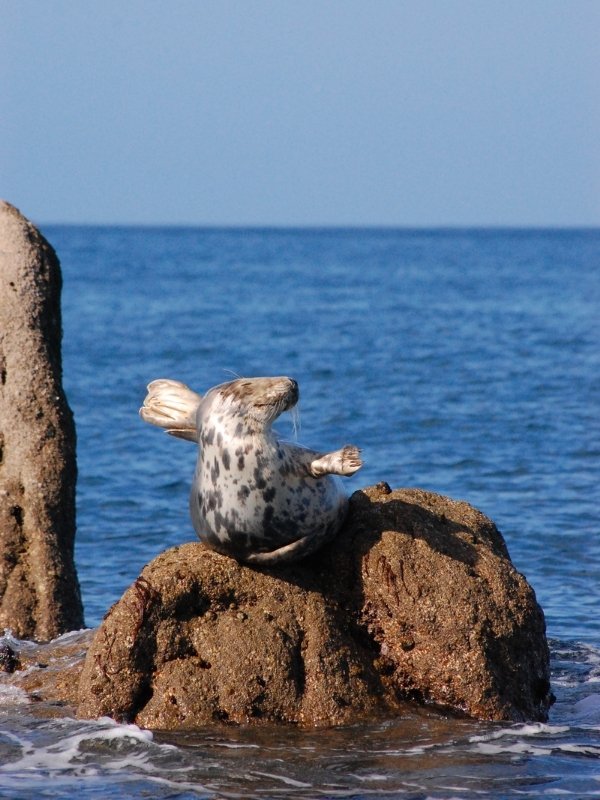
(39, 591)
(44, 676)
(416, 599)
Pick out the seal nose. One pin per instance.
(294, 393)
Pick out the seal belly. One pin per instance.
(263, 515)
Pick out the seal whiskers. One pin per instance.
(296, 422)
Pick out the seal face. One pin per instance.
(254, 496)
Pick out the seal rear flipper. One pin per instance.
(172, 405)
(289, 552)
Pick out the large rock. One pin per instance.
(456, 624)
(415, 599)
(39, 592)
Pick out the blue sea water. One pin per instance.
(466, 362)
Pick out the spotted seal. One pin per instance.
(253, 497)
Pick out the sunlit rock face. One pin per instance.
(39, 592)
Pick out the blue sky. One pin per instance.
(273, 112)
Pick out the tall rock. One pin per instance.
(39, 591)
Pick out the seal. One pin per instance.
(254, 497)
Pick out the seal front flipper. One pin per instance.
(172, 405)
(346, 461)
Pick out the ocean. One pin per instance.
(466, 362)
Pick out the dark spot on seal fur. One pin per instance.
(241, 463)
(219, 440)
(221, 522)
(269, 494)
(215, 471)
(211, 500)
(262, 461)
(226, 458)
(260, 481)
(208, 436)
(283, 470)
(267, 517)
(243, 494)
(239, 429)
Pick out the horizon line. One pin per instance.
(449, 227)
